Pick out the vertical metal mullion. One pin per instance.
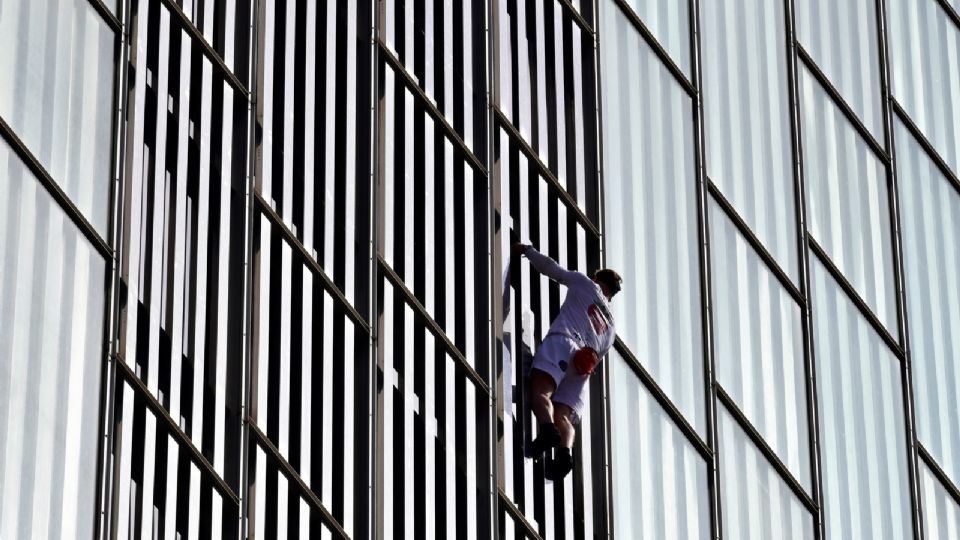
(813, 421)
(495, 322)
(706, 290)
(105, 479)
(376, 455)
(253, 69)
(607, 477)
(899, 275)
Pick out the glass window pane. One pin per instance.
(756, 502)
(842, 38)
(862, 446)
(669, 20)
(924, 71)
(930, 220)
(747, 118)
(848, 209)
(941, 514)
(651, 205)
(758, 337)
(51, 346)
(61, 101)
(659, 480)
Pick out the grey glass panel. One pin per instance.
(941, 513)
(669, 20)
(842, 38)
(747, 118)
(757, 503)
(546, 70)
(433, 427)
(154, 476)
(758, 339)
(925, 71)
(650, 196)
(862, 432)
(659, 481)
(930, 221)
(51, 346)
(441, 46)
(57, 57)
(848, 205)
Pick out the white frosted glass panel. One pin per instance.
(941, 514)
(57, 95)
(52, 285)
(843, 40)
(747, 118)
(659, 481)
(669, 20)
(862, 432)
(925, 71)
(930, 221)
(848, 204)
(650, 196)
(757, 503)
(758, 337)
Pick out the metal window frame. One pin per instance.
(890, 108)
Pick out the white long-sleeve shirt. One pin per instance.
(585, 314)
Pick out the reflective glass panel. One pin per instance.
(659, 482)
(941, 514)
(848, 208)
(747, 118)
(930, 223)
(758, 340)
(651, 212)
(842, 38)
(756, 502)
(52, 285)
(862, 431)
(925, 71)
(60, 102)
(669, 20)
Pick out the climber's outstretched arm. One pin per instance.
(545, 265)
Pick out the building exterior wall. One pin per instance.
(256, 277)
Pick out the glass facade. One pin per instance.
(256, 276)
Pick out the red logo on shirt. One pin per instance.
(598, 320)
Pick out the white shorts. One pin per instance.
(554, 357)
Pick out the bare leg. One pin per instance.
(561, 419)
(542, 388)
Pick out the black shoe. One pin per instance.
(559, 466)
(548, 436)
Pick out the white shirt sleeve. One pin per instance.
(549, 267)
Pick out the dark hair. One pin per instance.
(610, 278)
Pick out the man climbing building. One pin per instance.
(578, 338)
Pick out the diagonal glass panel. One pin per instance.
(848, 204)
(842, 38)
(758, 337)
(941, 513)
(60, 102)
(650, 197)
(866, 492)
(659, 481)
(925, 72)
(757, 503)
(52, 285)
(669, 20)
(930, 223)
(747, 118)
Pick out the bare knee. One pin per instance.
(542, 384)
